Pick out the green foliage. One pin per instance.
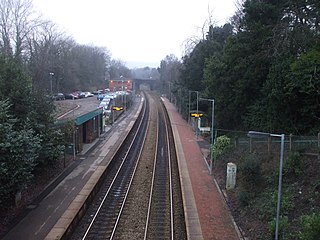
(310, 227)
(18, 153)
(194, 63)
(16, 86)
(27, 138)
(250, 171)
(221, 145)
(303, 89)
(284, 234)
(244, 197)
(286, 201)
(270, 112)
(52, 147)
(292, 165)
(42, 103)
(43, 124)
(267, 202)
(264, 76)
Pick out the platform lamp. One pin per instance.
(212, 128)
(197, 92)
(74, 131)
(254, 134)
(51, 78)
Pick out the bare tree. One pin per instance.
(235, 20)
(45, 46)
(17, 21)
(118, 68)
(190, 43)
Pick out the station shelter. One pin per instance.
(88, 128)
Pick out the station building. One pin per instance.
(121, 84)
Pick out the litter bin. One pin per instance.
(70, 149)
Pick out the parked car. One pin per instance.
(103, 105)
(100, 96)
(85, 94)
(110, 96)
(81, 95)
(106, 100)
(59, 96)
(88, 94)
(72, 96)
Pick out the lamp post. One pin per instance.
(197, 92)
(112, 111)
(74, 132)
(189, 108)
(122, 94)
(125, 99)
(254, 134)
(169, 83)
(51, 78)
(212, 126)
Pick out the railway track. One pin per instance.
(160, 222)
(140, 197)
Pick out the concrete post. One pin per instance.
(231, 176)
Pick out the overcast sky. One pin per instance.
(139, 32)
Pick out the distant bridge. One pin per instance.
(145, 83)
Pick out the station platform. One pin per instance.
(207, 215)
(42, 215)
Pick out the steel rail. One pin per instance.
(164, 177)
(130, 183)
(124, 184)
(152, 181)
(170, 172)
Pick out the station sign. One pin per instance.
(196, 115)
(117, 108)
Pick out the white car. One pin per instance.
(110, 96)
(106, 100)
(86, 94)
(104, 105)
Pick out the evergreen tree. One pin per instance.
(18, 153)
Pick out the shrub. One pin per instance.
(251, 173)
(266, 203)
(244, 198)
(267, 200)
(221, 145)
(310, 227)
(293, 165)
(283, 232)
